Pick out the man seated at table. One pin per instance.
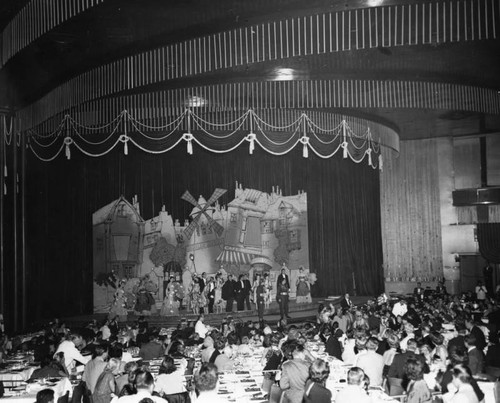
(371, 362)
(71, 351)
(205, 382)
(49, 368)
(144, 382)
(45, 396)
(153, 349)
(354, 391)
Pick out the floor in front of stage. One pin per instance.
(298, 312)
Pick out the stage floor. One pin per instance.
(298, 313)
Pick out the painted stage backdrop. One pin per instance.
(137, 261)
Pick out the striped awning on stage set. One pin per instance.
(235, 257)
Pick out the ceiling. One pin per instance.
(116, 29)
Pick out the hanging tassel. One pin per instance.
(251, 138)
(5, 189)
(125, 147)
(17, 183)
(188, 137)
(305, 151)
(344, 146)
(5, 170)
(369, 152)
(380, 162)
(68, 141)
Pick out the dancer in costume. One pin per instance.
(303, 290)
(218, 302)
(119, 303)
(170, 305)
(267, 290)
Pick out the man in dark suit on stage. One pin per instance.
(282, 276)
(248, 290)
(202, 281)
(418, 292)
(240, 292)
(229, 292)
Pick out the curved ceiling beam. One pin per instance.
(36, 19)
(387, 26)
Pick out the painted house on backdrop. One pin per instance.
(118, 237)
(204, 244)
(271, 226)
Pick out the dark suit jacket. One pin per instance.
(476, 361)
(480, 339)
(333, 347)
(456, 342)
(280, 278)
(344, 304)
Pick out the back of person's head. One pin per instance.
(167, 366)
(220, 342)
(411, 345)
(144, 380)
(45, 396)
(100, 349)
(462, 373)
(393, 340)
(319, 371)
(470, 340)
(414, 369)
(372, 344)
(437, 338)
(116, 351)
(206, 378)
(113, 364)
(355, 376)
(127, 390)
(458, 355)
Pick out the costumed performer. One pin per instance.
(303, 289)
(170, 305)
(119, 303)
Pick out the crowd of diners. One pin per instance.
(391, 343)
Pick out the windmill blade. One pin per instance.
(189, 230)
(219, 229)
(218, 192)
(189, 198)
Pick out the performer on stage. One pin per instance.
(260, 295)
(218, 301)
(209, 292)
(303, 290)
(240, 291)
(119, 304)
(255, 284)
(229, 292)
(170, 305)
(282, 276)
(346, 302)
(267, 288)
(282, 297)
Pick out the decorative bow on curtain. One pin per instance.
(488, 236)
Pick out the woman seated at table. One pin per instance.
(170, 380)
(50, 368)
(222, 356)
(417, 390)
(315, 387)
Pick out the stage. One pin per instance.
(298, 312)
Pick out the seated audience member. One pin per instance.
(417, 390)
(71, 353)
(105, 386)
(95, 366)
(208, 348)
(315, 390)
(474, 330)
(396, 373)
(476, 356)
(492, 359)
(222, 360)
(144, 383)
(170, 380)
(388, 357)
(48, 369)
(200, 328)
(459, 340)
(354, 391)
(205, 382)
(371, 362)
(457, 357)
(294, 374)
(463, 391)
(332, 345)
(45, 396)
(127, 378)
(153, 349)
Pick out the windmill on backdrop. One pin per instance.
(202, 211)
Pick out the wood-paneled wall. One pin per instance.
(410, 213)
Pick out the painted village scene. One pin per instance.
(154, 266)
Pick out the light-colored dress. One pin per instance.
(302, 290)
(218, 294)
(119, 304)
(170, 305)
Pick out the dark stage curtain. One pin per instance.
(488, 237)
(343, 213)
